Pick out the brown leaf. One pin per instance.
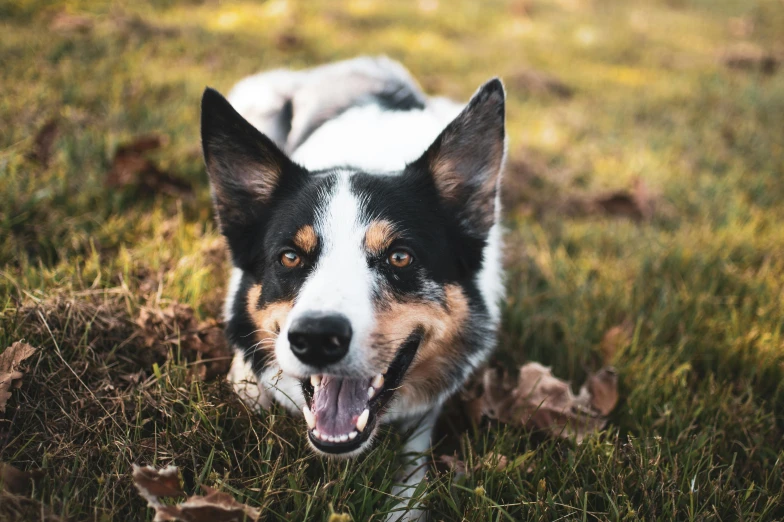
(616, 338)
(43, 142)
(541, 400)
(539, 82)
(16, 481)
(177, 325)
(600, 391)
(215, 506)
(637, 204)
(130, 168)
(491, 461)
(70, 23)
(10, 374)
(156, 483)
(288, 40)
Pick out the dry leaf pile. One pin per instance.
(540, 400)
(44, 141)
(131, 167)
(10, 369)
(176, 325)
(215, 506)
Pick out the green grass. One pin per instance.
(698, 432)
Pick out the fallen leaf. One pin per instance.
(10, 373)
(288, 40)
(215, 506)
(539, 82)
(750, 57)
(491, 461)
(540, 400)
(70, 23)
(454, 464)
(155, 483)
(131, 168)
(600, 391)
(637, 204)
(616, 338)
(176, 326)
(16, 481)
(43, 142)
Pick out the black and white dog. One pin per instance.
(363, 222)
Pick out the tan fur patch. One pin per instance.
(259, 182)
(306, 239)
(441, 324)
(379, 236)
(451, 185)
(267, 320)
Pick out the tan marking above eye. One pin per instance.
(306, 239)
(400, 258)
(379, 236)
(290, 259)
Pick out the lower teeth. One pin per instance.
(334, 438)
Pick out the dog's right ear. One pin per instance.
(246, 169)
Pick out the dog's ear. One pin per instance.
(246, 170)
(466, 159)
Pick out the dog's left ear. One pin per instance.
(466, 159)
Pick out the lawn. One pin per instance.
(645, 231)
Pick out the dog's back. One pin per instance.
(366, 113)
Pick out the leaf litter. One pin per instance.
(10, 369)
(175, 327)
(132, 168)
(537, 399)
(214, 506)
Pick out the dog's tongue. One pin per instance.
(338, 402)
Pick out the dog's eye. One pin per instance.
(290, 259)
(400, 259)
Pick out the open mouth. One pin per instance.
(341, 412)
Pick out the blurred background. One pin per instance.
(643, 206)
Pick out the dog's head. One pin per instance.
(366, 287)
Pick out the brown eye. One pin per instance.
(400, 259)
(290, 259)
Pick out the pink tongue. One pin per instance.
(338, 402)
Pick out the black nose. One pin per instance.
(320, 339)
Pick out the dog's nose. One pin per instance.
(319, 339)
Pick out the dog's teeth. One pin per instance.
(343, 438)
(316, 433)
(371, 392)
(378, 381)
(315, 380)
(324, 436)
(352, 435)
(309, 417)
(363, 419)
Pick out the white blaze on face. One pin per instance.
(341, 281)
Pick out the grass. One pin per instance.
(698, 432)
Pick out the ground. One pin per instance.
(645, 230)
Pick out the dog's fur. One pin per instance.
(343, 165)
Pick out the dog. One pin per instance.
(362, 218)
